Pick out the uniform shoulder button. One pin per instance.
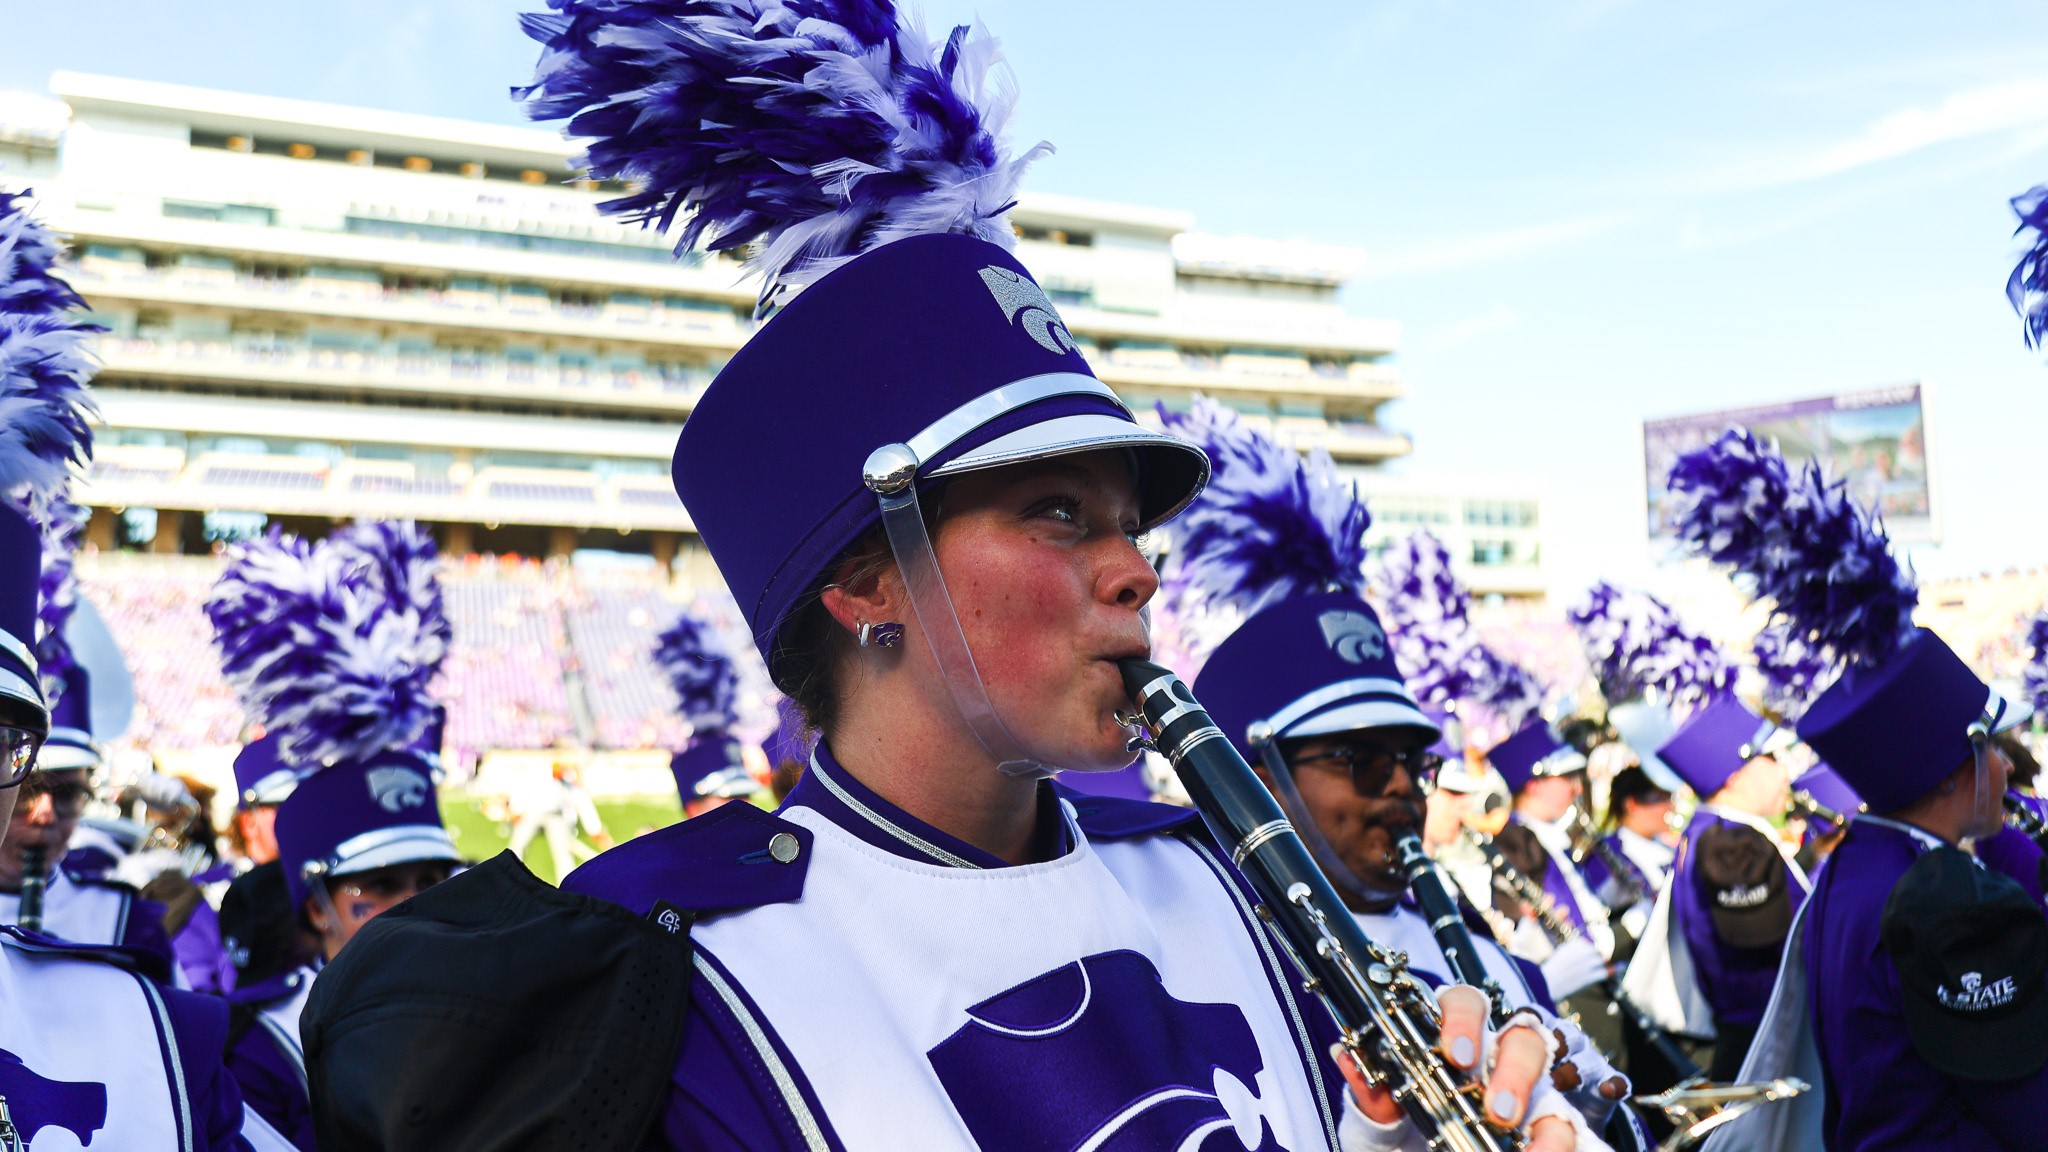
(784, 848)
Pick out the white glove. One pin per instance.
(1574, 966)
(1357, 1132)
(1360, 1134)
(1591, 1069)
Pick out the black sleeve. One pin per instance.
(1745, 885)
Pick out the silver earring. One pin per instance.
(887, 634)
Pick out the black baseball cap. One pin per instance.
(1748, 893)
(1971, 948)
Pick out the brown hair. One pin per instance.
(814, 649)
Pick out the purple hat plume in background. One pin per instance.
(1638, 646)
(331, 646)
(1838, 596)
(702, 672)
(1442, 658)
(2027, 288)
(1270, 526)
(812, 130)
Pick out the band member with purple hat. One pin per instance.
(95, 1050)
(928, 946)
(1545, 776)
(1308, 688)
(1733, 889)
(359, 826)
(1911, 988)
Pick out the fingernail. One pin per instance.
(1503, 1105)
(1461, 1051)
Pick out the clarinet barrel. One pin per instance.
(35, 881)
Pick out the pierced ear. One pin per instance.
(862, 591)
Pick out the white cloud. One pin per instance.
(1982, 111)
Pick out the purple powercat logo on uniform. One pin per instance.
(1098, 1055)
(35, 1102)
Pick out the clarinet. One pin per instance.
(1510, 880)
(1389, 1018)
(1561, 931)
(1804, 804)
(34, 881)
(2026, 818)
(1586, 838)
(1446, 923)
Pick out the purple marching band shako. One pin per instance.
(261, 775)
(1310, 666)
(925, 358)
(351, 818)
(1716, 742)
(1895, 730)
(1534, 750)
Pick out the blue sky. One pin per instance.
(1584, 213)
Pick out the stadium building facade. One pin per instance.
(318, 312)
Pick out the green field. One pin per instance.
(479, 837)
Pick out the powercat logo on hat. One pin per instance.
(1023, 303)
(396, 789)
(1353, 636)
(1976, 995)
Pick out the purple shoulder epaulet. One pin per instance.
(1115, 818)
(141, 961)
(730, 858)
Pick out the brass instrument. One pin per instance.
(1696, 1108)
(35, 880)
(2026, 818)
(1389, 1018)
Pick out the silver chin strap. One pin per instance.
(891, 474)
(1986, 810)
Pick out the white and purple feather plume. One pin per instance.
(1638, 646)
(702, 672)
(1427, 613)
(2034, 679)
(45, 410)
(2027, 287)
(812, 129)
(1837, 594)
(332, 645)
(1271, 525)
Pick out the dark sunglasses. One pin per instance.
(1372, 769)
(67, 799)
(18, 748)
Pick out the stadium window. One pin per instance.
(417, 164)
(532, 176)
(474, 170)
(301, 151)
(360, 157)
(138, 526)
(222, 213)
